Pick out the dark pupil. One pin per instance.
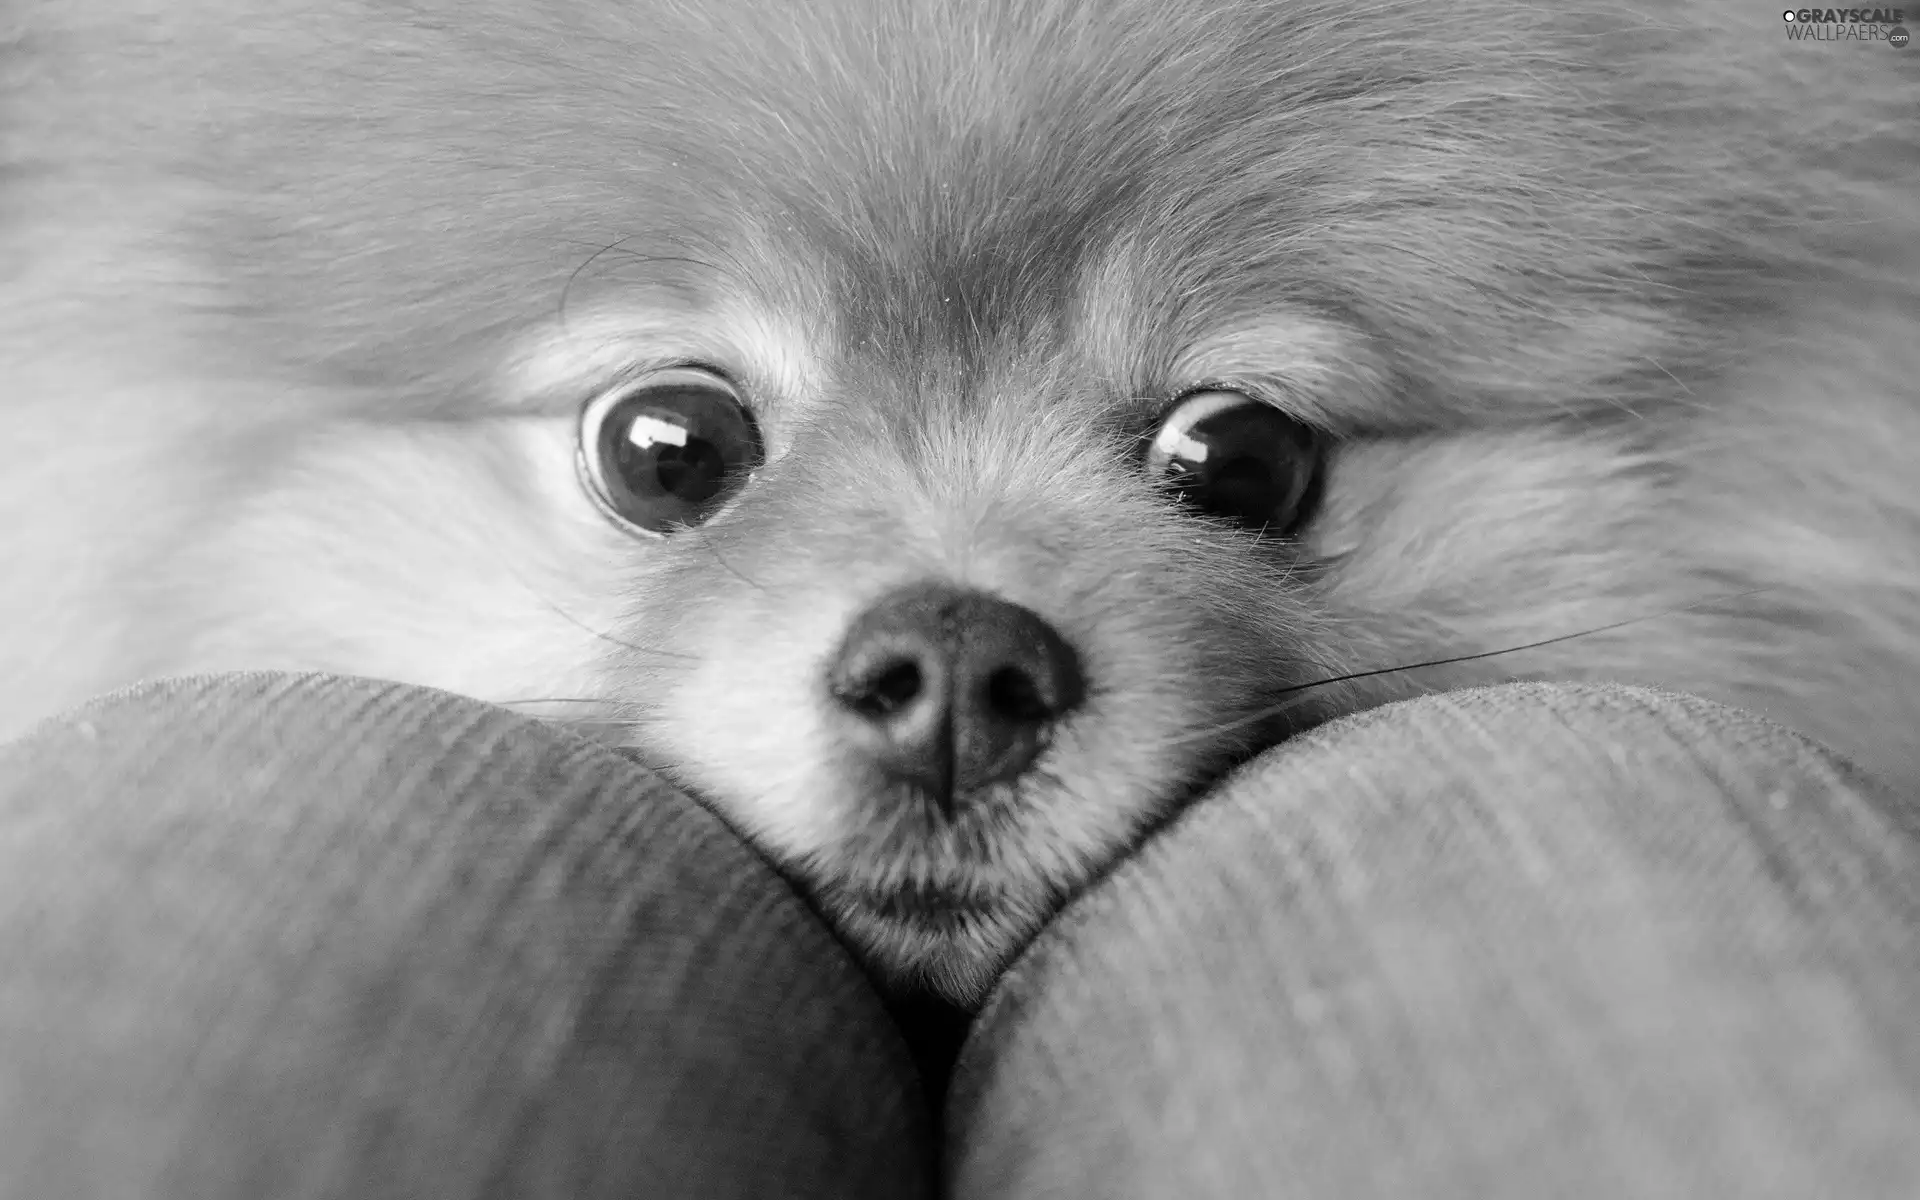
(1241, 487)
(674, 452)
(693, 473)
(1256, 469)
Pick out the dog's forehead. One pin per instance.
(387, 197)
(387, 192)
(955, 182)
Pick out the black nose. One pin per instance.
(953, 689)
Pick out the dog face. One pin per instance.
(946, 435)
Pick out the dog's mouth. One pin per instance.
(921, 905)
(952, 938)
(983, 878)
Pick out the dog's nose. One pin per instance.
(953, 689)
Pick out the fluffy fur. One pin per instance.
(1612, 308)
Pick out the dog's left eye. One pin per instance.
(666, 452)
(1235, 457)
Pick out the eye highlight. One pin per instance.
(1237, 458)
(665, 452)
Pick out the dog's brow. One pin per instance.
(558, 365)
(1319, 370)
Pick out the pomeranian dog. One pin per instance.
(945, 435)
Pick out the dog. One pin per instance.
(946, 435)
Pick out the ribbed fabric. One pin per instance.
(268, 936)
(1515, 944)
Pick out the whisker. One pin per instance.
(607, 637)
(706, 539)
(1292, 691)
(567, 287)
(588, 723)
(617, 247)
(507, 565)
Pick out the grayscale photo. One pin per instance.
(964, 598)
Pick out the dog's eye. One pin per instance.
(1236, 458)
(667, 451)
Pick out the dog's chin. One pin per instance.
(963, 899)
(944, 941)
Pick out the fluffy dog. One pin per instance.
(945, 434)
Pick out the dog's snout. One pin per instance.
(953, 689)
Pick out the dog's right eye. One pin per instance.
(667, 451)
(1228, 454)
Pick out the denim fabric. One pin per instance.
(1526, 942)
(273, 937)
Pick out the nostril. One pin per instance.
(950, 689)
(1013, 696)
(895, 687)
